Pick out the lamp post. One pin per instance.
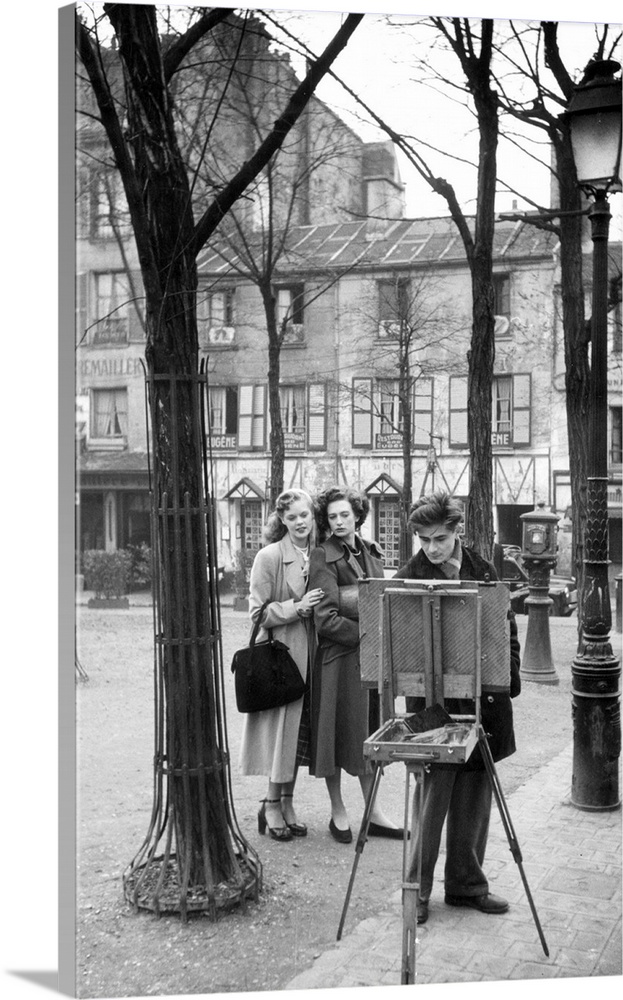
(539, 535)
(594, 120)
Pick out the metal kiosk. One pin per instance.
(435, 640)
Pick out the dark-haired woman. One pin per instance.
(344, 713)
(275, 742)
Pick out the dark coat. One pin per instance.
(496, 710)
(344, 713)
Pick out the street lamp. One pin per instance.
(594, 121)
(539, 548)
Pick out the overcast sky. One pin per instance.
(378, 64)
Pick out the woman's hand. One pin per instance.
(305, 606)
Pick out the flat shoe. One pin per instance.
(422, 911)
(396, 833)
(342, 836)
(487, 903)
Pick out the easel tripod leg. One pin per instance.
(508, 827)
(361, 839)
(411, 889)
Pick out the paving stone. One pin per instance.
(581, 882)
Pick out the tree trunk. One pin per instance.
(479, 515)
(277, 444)
(405, 389)
(194, 768)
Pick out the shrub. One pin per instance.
(140, 565)
(107, 573)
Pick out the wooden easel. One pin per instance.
(437, 656)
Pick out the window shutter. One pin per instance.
(245, 417)
(317, 424)
(257, 436)
(522, 392)
(422, 412)
(458, 412)
(362, 413)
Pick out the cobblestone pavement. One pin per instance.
(572, 862)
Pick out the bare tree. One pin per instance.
(412, 328)
(132, 87)
(472, 43)
(546, 87)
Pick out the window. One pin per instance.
(215, 316)
(251, 523)
(303, 411)
(109, 415)
(388, 530)
(378, 417)
(393, 306)
(251, 417)
(616, 445)
(223, 416)
(511, 402)
(109, 209)
(290, 303)
(502, 305)
(112, 295)
(391, 417)
(293, 416)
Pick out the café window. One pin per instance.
(251, 525)
(223, 416)
(252, 417)
(216, 316)
(393, 306)
(510, 411)
(109, 416)
(387, 518)
(112, 298)
(290, 302)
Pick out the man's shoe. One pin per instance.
(422, 911)
(395, 833)
(486, 903)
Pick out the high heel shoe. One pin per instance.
(276, 832)
(296, 829)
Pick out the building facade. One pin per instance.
(375, 311)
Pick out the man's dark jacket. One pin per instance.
(496, 710)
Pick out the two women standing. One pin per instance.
(299, 580)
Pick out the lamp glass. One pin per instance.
(596, 141)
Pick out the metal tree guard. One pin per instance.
(192, 780)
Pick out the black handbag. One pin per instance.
(265, 675)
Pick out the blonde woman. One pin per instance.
(276, 742)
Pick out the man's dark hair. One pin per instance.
(436, 508)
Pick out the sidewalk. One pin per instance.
(572, 862)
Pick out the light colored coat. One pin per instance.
(269, 739)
